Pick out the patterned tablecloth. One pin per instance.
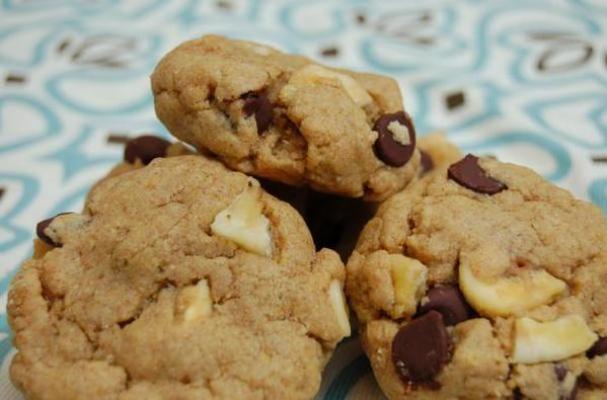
(523, 80)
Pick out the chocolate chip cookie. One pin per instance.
(484, 281)
(436, 151)
(286, 118)
(334, 221)
(179, 280)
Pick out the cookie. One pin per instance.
(334, 221)
(436, 151)
(179, 280)
(483, 281)
(286, 118)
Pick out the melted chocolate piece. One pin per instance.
(145, 148)
(449, 302)
(386, 147)
(468, 173)
(259, 105)
(420, 349)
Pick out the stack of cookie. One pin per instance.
(199, 272)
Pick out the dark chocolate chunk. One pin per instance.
(2, 191)
(599, 348)
(468, 173)
(145, 148)
(426, 161)
(386, 147)
(41, 227)
(561, 372)
(420, 349)
(449, 302)
(258, 104)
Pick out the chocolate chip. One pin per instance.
(145, 148)
(421, 348)
(2, 191)
(449, 302)
(258, 104)
(470, 175)
(386, 147)
(41, 227)
(426, 161)
(561, 372)
(599, 348)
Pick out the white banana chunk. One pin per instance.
(536, 342)
(243, 222)
(409, 280)
(509, 295)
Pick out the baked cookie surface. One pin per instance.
(286, 118)
(179, 280)
(483, 281)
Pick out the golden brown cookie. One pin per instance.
(334, 221)
(436, 151)
(286, 118)
(483, 281)
(179, 280)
